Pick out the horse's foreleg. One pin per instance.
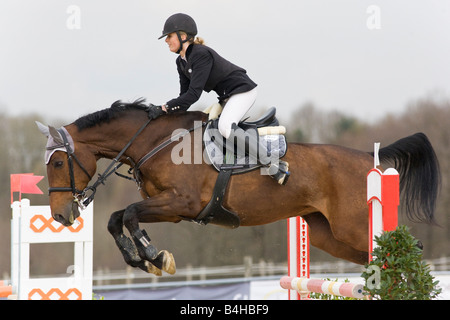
(126, 246)
(162, 260)
(160, 208)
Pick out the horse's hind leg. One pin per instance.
(321, 236)
(126, 246)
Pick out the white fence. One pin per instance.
(104, 278)
(34, 224)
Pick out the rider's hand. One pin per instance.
(155, 111)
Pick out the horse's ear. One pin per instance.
(43, 128)
(55, 135)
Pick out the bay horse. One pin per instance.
(327, 186)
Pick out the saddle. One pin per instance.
(227, 163)
(266, 128)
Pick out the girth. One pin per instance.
(214, 212)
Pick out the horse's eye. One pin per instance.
(58, 164)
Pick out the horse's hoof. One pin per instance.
(150, 268)
(168, 263)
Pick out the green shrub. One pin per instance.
(397, 271)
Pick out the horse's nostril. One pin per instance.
(59, 218)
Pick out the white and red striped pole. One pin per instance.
(298, 253)
(345, 289)
(383, 198)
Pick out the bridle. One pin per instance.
(77, 194)
(80, 196)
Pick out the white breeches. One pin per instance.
(235, 109)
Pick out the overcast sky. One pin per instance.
(64, 59)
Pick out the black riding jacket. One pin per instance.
(206, 70)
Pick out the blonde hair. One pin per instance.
(197, 40)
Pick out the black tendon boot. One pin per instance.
(248, 142)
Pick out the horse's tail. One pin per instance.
(420, 178)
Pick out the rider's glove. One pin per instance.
(155, 111)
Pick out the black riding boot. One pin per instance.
(248, 142)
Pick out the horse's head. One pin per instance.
(70, 166)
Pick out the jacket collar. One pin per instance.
(188, 52)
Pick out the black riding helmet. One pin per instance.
(180, 22)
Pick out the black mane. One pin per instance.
(106, 115)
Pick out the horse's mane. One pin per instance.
(106, 115)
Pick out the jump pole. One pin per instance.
(305, 285)
(383, 198)
(298, 253)
(298, 282)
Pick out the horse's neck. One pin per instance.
(108, 139)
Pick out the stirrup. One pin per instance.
(282, 175)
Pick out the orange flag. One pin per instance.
(25, 183)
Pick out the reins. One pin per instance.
(166, 143)
(110, 169)
(81, 196)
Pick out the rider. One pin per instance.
(201, 68)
